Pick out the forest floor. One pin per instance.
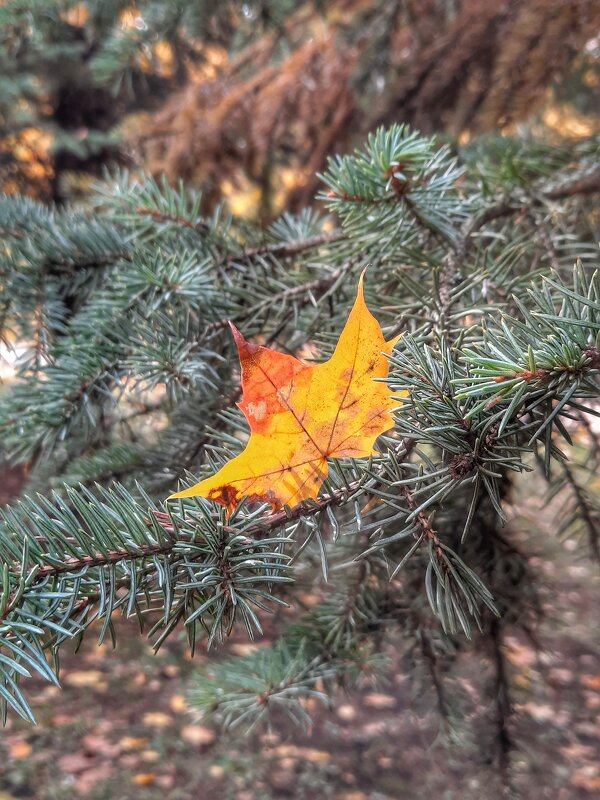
(121, 727)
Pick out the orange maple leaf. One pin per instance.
(301, 414)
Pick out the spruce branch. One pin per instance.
(490, 368)
(307, 293)
(561, 189)
(453, 262)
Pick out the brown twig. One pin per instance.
(102, 260)
(163, 216)
(6, 232)
(502, 703)
(99, 560)
(308, 289)
(285, 249)
(423, 522)
(592, 524)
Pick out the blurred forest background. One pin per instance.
(246, 100)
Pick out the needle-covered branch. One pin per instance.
(125, 370)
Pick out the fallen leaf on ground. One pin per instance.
(216, 771)
(178, 703)
(300, 415)
(88, 780)
(520, 655)
(98, 745)
(58, 720)
(305, 753)
(379, 701)
(198, 735)
(317, 756)
(539, 712)
(72, 763)
(244, 648)
(586, 778)
(129, 760)
(20, 750)
(346, 712)
(577, 751)
(157, 719)
(133, 743)
(144, 779)
(522, 680)
(591, 682)
(84, 678)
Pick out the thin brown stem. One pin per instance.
(304, 290)
(101, 260)
(503, 705)
(99, 560)
(285, 249)
(591, 523)
(431, 662)
(423, 522)
(162, 216)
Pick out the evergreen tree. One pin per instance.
(71, 72)
(127, 380)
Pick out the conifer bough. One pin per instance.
(126, 386)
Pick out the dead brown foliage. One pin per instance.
(301, 106)
(487, 66)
